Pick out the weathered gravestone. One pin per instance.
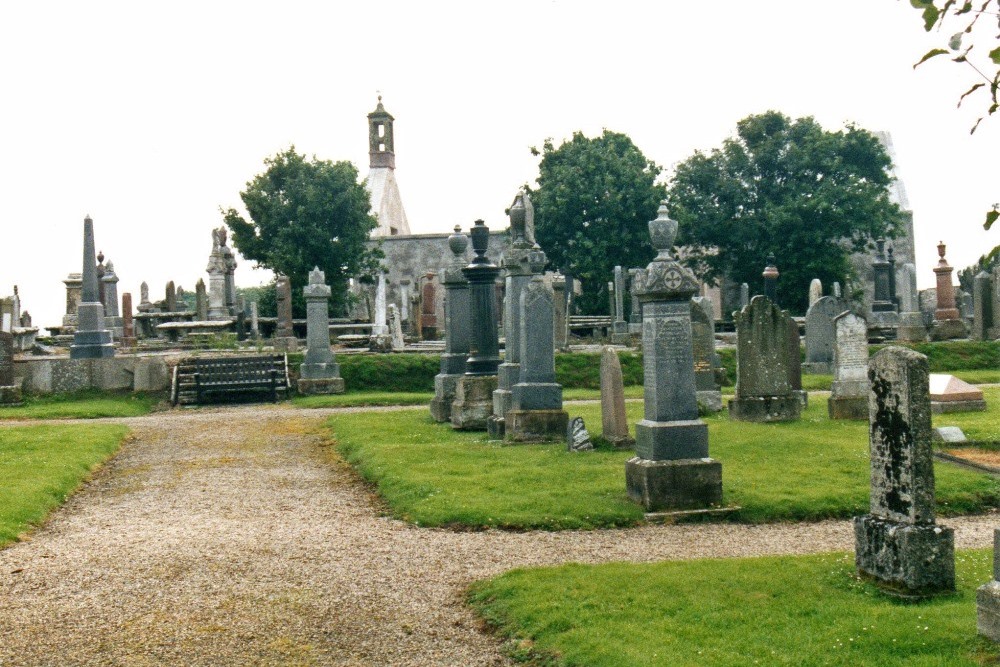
(815, 291)
(577, 437)
(319, 372)
(283, 297)
(706, 376)
(849, 393)
(912, 328)
(10, 390)
(619, 327)
(380, 340)
(614, 421)
(982, 306)
(671, 469)
(395, 328)
(457, 326)
(635, 314)
(128, 322)
(200, 301)
(898, 544)
(559, 310)
(820, 336)
(763, 366)
(170, 300)
(795, 363)
(988, 598)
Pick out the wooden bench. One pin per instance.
(239, 375)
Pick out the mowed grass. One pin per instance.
(981, 426)
(353, 399)
(432, 475)
(89, 404)
(796, 610)
(41, 465)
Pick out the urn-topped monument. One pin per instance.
(671, 469)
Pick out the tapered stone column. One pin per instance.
(91, 339)
(671, 469)
(319, 373)
(457, 327)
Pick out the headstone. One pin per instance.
(10, 389)
(965, 305)
(559, 312)
(200, 301)
(988, 598)
(91, 339)
(982, 306)
(795, 363)
(428, 301)
(911, 328)
(611, 300)
(577, 437)
(898, 544)
(474, 392)
(74, 290)
(171, 299)
(619, 327)
(217, 283)
(395, 328)
(457, 325)
(229, 276)
(536, 413)
(744, 295)
(906, 289)
(319, 372)
(128, 323)
(763, 366)
(110, 280)
(820, 334)
(614, 421)
(671, 469)
(145, 305)
(283, 296)
(948, 322)
(707, 388)
(849, 393)
(836, 290)
(100, 268)
(815, 291)
(25, 320)
(635, 317)
(255, 321)
(380, 340)
(950, 394)
(882, 276)
(404, 300)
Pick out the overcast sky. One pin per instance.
(149, 117)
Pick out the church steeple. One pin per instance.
(380, 148)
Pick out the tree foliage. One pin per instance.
(306, 213)
(786, 187)
(966, 16)
(987, 262)
(594, 199)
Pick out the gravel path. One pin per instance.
(227, 537)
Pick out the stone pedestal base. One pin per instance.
(948, 329)
(11, 395)
(817, 367)
(444, 395)
(321, 386)
(380, 343)
(677, 484)
(709, 401)
(847, 407)
(659, 441)
(905, 560)
(942, 407)
(988, 610)
(285, 344)
(473, 402)
(911, 328)
(535, 426)
(765, 408)
(91, 345)
(623, 338)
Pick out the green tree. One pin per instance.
(593, 202)
(786, 187)
(306, 213)
(987, 262)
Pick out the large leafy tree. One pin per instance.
(594, 199)
(306, 213)
(786, 187)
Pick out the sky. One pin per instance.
(152, 116)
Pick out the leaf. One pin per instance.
(991, 217)
(930, 54)
(995, 56)
(969, 92)
(931, 15)
(955, 43)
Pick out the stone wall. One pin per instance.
(47, 375)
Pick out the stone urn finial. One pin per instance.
(458, 242)
(941, 249)
(771, 270)
(518, 219)
(662, 232)
(480, 235)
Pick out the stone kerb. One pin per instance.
(763, 390)
(898, 544)
(820, 336)
(849, 392)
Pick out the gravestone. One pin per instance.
(559, 313)
(898, 544)
(74, 291)
(110, 280)
(988, 598)
(744, 295)
(473, 402)
(128, 322)
(706, 365)
(100, 276)
(763, 366)
(145, 305)
(614, 421)
(10, 389)
(404, 303)
(815, 291)
(200, 301)
(577, 437)
(395, 328)
(171, 298)
(381, 340)
(849, 392)
(911, 328)
(457, 326)
(635, 317)
(820, 336)
(982, 306)
(619, 327)
(795, 363)
(92, 340)
(284, 334)
(536, 413)
(770, 277)
(948, 322)
(217, 284)
(255, 321)
(836, 290)
(319, 372)
(884, 310)
(428, 316)
(671, 469)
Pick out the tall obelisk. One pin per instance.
(91, 340)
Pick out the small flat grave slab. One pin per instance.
(950, 394)
(948, 434)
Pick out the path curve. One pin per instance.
(227, 537)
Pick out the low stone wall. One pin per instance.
(58, 374)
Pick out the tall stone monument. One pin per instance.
(898, 544)
(911, 328)
(200, 301)
(283, 297)
(820, 334)
(559, 314)
(635, 314)
(74, 291)
(763, 390)
(170, 302)
(428, 299)
(948, 322)
(706, 366)
(457, 326)
(217, 270)
(884, 309)
(619, 327)
(92, 339)
(671, 469)
(380, 340)
(536, 413)
(982, 306)
(128, 322)
(473, 402)
(849, 395)
(614, 421)
(319, 372)
(518, 274)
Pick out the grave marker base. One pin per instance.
(678, 484)
(905, 560)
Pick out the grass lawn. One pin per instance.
(807, 470)
(796, 610)
(977, 425)
(981, 376)
(89, 404)
(363, 398)
(41, 465)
